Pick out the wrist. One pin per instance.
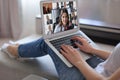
(93, 51)
(78, 63)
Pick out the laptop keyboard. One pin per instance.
(64, 40)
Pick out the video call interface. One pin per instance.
(59, 16)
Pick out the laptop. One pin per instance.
(55, 15)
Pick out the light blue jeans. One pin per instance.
(39, 48)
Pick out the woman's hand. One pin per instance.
(84, 46)
(71, 54)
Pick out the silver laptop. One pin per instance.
(60, 23)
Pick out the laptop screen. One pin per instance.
(59, 16)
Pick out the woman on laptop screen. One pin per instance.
(64, 23)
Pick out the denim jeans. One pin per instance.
(39, 48)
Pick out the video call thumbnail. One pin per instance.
(59, 16)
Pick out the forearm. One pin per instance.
(88, 72)
(101, 53)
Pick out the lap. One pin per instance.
(40, 48)
(67, 73)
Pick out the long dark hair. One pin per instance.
(64, 10)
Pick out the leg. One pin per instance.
(64, 72)
(32, 49)
(40, 48)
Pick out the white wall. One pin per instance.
(30, 8)
(103, 10)
(113, 12)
